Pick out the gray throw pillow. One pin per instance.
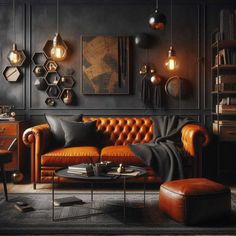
(56, 129)
(79, 133)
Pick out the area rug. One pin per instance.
(103, 216)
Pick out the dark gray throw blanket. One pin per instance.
(164, 153)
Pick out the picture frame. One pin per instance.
(105, 65)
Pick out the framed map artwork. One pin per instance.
(105, 65)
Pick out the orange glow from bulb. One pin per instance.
(15, 57)
(171, 63)
(58, 52)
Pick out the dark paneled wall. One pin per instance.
(193, 22)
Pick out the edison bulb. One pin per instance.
(58, 52)
(15, 56)
(171, 62)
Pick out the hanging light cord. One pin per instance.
(157, 4)
(13, 20)
(171, 22)
(57, 16)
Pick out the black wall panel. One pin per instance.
(193, 22)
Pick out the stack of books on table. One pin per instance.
(81, 169)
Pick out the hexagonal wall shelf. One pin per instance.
(50, 102)
(21, 61)
(12, 73)
(53, 91)
(39, 71)
(52, 78)
(47, 48)
(51, 66)
(39, 58)
(67, 81)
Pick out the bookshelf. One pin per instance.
(223, 94)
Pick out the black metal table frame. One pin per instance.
(92, 193)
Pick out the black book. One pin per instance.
(23, 207)
(67, 201)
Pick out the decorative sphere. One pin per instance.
(155, 79)
(143, 40)
(17, 177)
(39, 71)
(157, 20)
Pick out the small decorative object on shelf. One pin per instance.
(50, 102)
(12, 73)
(52, 78)
(39, 71)
(67, 96)
(67, 81)
(51, 66)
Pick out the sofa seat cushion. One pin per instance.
(70, 156)
(120, 154)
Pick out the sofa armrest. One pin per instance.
(194, 137)
(38, 138)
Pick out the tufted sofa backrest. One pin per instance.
(124, 130)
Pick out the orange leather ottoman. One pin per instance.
(192, 201)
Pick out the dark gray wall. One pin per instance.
(193, 22)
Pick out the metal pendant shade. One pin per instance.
(157, 20)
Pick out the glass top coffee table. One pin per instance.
(102, 178)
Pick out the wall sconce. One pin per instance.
(59, 48)
(171, 62)
(157, 20)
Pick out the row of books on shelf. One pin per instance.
(226, 56)
(227, 25)
(226, 109)
(218, 124)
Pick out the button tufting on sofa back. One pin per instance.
(124, 130)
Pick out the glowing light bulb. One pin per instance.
(171, 63)
(59, 49)
(15, 56)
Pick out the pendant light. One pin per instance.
(59, 48)
(16, 57)
(157, 20)
(171, 62)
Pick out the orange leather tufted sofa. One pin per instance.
(118, 132)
